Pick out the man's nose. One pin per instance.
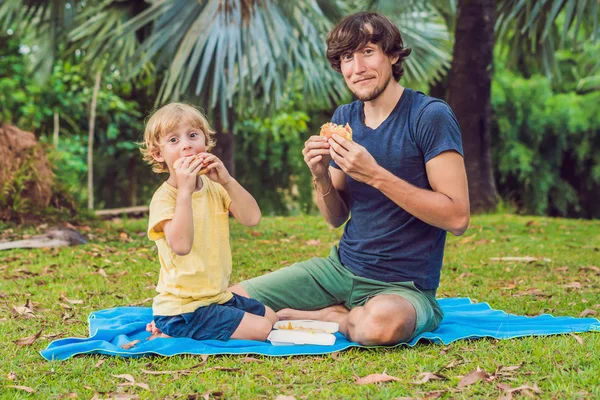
(359, 64)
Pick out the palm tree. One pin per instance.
(223, 55)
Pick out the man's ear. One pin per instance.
(157, 156)
(394, 59)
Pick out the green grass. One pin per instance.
(559, 365)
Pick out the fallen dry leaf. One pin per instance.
(28, 340)
(12, 376)
(588, 311)
(129, 345)
(99, 363)
(374, 378)
(70, 396)
(282, 397)
(579, 339)
(125, 376)
(591, 268)
(313, 242)
(434, 394)
(25, 388)
(428, 376)
(64, 298)
(453, 364)
(573, 285)
(101, 272)
(526, 389)
(473, 377)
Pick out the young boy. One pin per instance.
(189, 224)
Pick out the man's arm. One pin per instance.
(332, 198)
(446, 206)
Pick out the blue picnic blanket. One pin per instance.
(112, 328)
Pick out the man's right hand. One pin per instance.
(316, 156)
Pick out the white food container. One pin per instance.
(292, 332)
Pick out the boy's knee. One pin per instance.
(263, 329)
(271, 315)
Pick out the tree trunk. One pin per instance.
(133, 181)
(469, 96)
(90, 155)
(56, 130)
(225, 148)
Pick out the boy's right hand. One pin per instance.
(186, 172)
(317, 156)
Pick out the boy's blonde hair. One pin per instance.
(163, 121)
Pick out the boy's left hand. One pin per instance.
(216, 169)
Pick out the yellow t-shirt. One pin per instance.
(200, 277)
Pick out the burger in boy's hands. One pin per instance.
(203, 171)
(329, 128)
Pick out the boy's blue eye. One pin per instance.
(173, 140)
(193, 134)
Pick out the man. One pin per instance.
(402, 182)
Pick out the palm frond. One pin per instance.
(226, 54)
(533, 30)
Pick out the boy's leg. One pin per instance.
(253, 327)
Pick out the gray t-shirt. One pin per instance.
(381, 240)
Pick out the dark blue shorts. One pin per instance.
(215, 321)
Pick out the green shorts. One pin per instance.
(322, 282)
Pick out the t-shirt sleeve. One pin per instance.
(162, 208)
(437, 130)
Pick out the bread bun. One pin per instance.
(329, 128)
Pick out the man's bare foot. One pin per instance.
(151, 327)
(324, 314)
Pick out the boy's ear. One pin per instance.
(157, 156)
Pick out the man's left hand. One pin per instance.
(353, 159)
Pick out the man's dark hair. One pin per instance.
(356, 30)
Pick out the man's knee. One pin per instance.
(382, 322)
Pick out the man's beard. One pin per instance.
(375, 92)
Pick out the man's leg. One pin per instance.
(309, 285)
(386, 319)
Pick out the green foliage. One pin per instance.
(269, 161)
(13, 200)
(562, 368)
(543, 145)
(121, 107)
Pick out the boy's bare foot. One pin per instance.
(151, 327)
(158, 335)
(324, 314)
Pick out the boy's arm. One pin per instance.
(243, 205)
(179, 231)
